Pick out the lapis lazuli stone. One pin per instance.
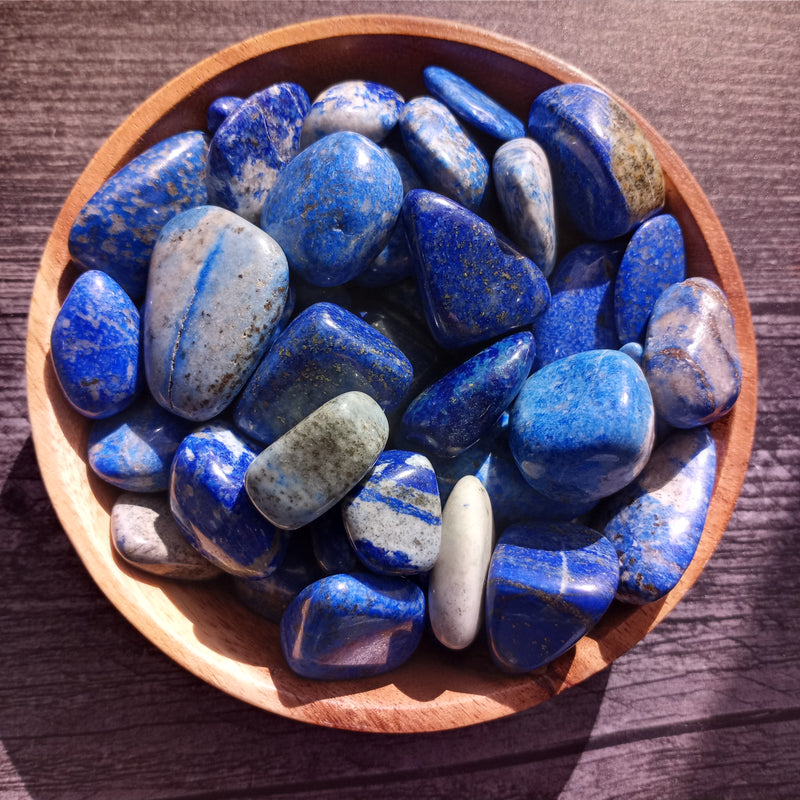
(394, 515)
(471, 104)
(654, 259)
(215, 294)
(95, 344)
(525, 190)
(219, 110)
(582, 427)
(253, 145)
(353, 626)
(324, 352)
(446, 158)
(581, 312)
(331, 544)
(334, 207)
(655, 523)
(604, 168)
(116, 230)
(134, 449)
(691, 359)
(365, 107)
(211, 507)
(633, 350)
(548, 585)
(474, 284)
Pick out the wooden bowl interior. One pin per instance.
(204, 628)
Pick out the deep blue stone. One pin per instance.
(219, 110)
(331, 544)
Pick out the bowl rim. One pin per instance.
(399, 701)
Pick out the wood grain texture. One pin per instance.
(705, 707)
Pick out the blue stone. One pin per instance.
(333, 208)
(654, 259)
(548, 585)
(219, 110)
(331, 543)
(583, 427)
(353, 626)
(655, 523)
(581, 312)
(633, 350)
(95, 345)
(446, 158)
(216, 292)
(364, 107)
(525, 190)
(134, 449)
(116, 230)
(211, 507)
(253, 145)
(324, 352)
(604, 169)
(471, 104)
(460, 408)
(690, 355)
(394, 515)
(474, 284)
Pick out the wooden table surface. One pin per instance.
(707, 706)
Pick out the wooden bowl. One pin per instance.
(203, 628)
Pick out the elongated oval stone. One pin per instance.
(251, 147)
(583, 427)
(690, 355)
(324, 352)
(548, 585)
(603, 166)
(117, 228)
(313, 466)
(394, 515)
(458, 579)
(95, 347)
(216, 291)
(334, 207)
(352, 626)
(211, 507)
(655, 523)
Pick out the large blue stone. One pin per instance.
(353, 626)
(116, 230)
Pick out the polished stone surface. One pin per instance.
(219, 110)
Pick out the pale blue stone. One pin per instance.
(633, 350)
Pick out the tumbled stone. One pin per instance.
(117, 228)
(313, 466)
(331, 544)
(215, 294)
(353, 626)
(633, 350)
(394, 515)
(691, 359)
(219, 110)
(95, 347)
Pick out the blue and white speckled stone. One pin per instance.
(656, 522)
(211, 507)
(315, 464)
(334, 207)
(253, 145)
(583, 427)
(471, 104)
(145, 535)
(604, 169)
(524, 188)
(95, 345)
(331, 544)
(690, 355)
(215, 294)
(633, 350)
(460, 408)
(353, 626)
(548, 585)
(581, 312)
(364, 107)
(474, 284)
(446, 158)
(116, 230)
(654, 259)
(394, 515)
(219, 110)
(134, 449)
(324, 352)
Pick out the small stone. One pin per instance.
(633, 350)
(219, 110)
(331, 544)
